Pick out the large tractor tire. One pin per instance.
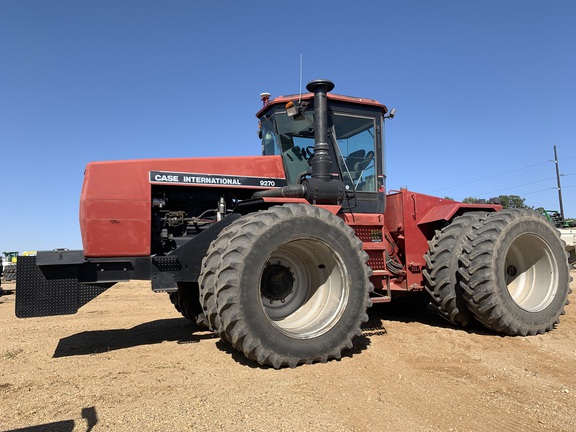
(186, 301)
(286, 286)
(515, 273)
(441, 273)
(9, 273)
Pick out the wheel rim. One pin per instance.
(531, 273)
(304, 288)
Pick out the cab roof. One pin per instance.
(331, 96)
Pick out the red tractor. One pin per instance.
(282, 254)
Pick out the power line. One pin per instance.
(489, 177)
(538, 191)
(501, 174)
(517, 186)
(505, 162)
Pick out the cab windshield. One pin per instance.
(292, 137)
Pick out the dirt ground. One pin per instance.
(128, 361)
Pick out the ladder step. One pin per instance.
(383, 299)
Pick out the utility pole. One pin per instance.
(559, 187)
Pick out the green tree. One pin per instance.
(513, 201)
(507, 201)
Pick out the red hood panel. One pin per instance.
(115, 207)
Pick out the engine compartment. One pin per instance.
(179, 213)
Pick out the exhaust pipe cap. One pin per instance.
(315, 84)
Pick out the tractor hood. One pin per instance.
(115, 204)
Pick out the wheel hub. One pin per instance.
(277, 282)
(511, 271)
(303, 287)
(531, 273)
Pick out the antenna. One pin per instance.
(300, 98)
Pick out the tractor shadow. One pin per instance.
(372, 328)
(360, 344)
(182, 331)
(405, 310)
(177, 330)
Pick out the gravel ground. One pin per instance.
(128, 361)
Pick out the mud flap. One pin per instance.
(51, 290)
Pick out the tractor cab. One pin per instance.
(355, 143)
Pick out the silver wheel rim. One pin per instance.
(313, 292)
(531, 273)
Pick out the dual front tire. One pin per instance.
(286, 286)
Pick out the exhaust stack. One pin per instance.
(320, 188)
(321, 161)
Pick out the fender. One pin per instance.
(446, 212)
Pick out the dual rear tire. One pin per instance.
(442, 262)
(508, 270)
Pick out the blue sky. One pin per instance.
(483, 91)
